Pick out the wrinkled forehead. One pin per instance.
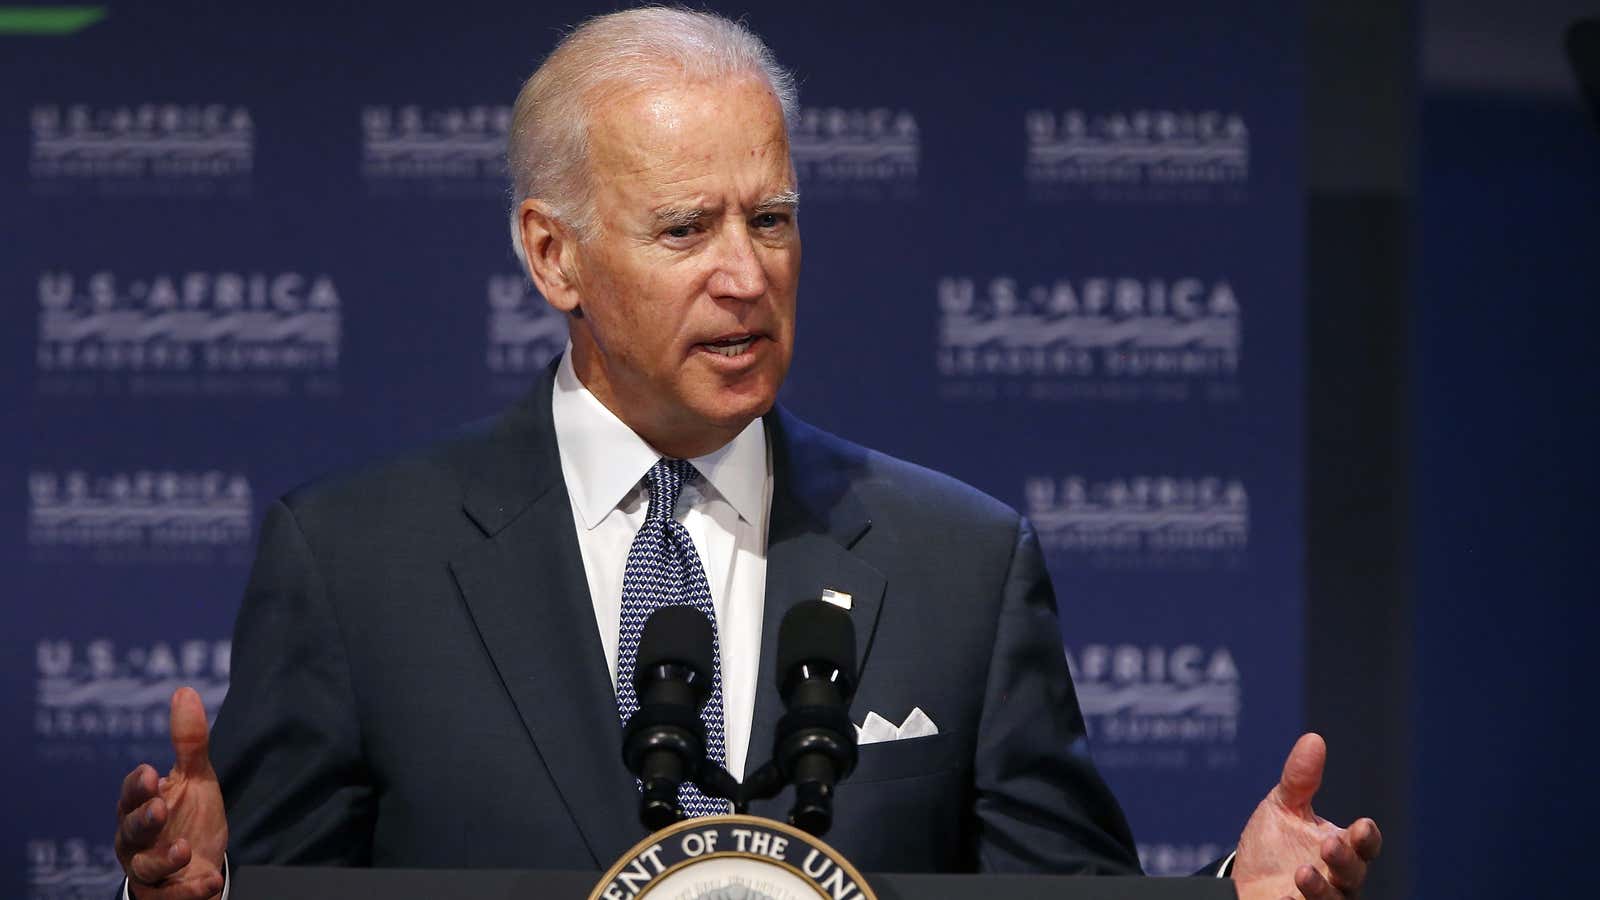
(669, 134)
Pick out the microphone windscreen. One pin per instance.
(816, 631)
(677, 634)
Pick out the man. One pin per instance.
(432, 655)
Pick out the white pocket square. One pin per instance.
(876, 729)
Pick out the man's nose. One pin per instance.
(739, 274)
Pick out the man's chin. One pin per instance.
(733, 417)
(746, 395)
(730, 409)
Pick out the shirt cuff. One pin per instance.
(1223, 871)
(127, 895)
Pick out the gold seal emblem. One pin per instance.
(732, 858)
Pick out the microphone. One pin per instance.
(815, 745)
(664, 742)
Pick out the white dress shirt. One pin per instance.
(725, 512)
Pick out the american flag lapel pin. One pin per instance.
(837, 598)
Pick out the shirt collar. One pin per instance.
(606, 459)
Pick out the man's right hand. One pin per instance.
(172, 832)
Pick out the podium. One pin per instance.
(312, 883)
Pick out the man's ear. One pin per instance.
(550, 248)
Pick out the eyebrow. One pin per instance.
(678, 216)
(683, 216)
(784, 200)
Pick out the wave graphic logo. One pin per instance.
(1156, 681)
(141, 509)
(188, 327)
(840, 145)
(225, 322)
(1164, 859)
(1123, 327)
(148, 141)
(1136, 147)
(1160, 699)
(524, 332)
(401, 143)
(1144, 516)
(1148, 705)
(96, 693)
(72, 869)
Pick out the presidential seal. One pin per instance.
(732, 858)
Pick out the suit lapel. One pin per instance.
(525, 588)
(816, 520)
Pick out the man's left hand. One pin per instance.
(1287, 850)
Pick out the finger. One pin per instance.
(140, 828)
(138, 787)
(193, 884)
(202, 888)
(1302, 773)
(1346, 870)
(198, 888)
(1313, 885)
(1366, 839)
(154, 866)
(190, 740)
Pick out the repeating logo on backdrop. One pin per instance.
(856, 153)
(1156, 706)
(139, 516)
(1167, 858)
(1142, 522)
(72, 869)
(434, 150)
(108, 701)
(523, 333)
(141, 149)
(188, 333)
(1093, 338)
(1137, 156)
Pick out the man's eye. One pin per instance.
(680, 231)
(768, 220)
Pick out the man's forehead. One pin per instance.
(665, 137)
(669, 101)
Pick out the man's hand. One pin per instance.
(1286, 848)
(171, 832)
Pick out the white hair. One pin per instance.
(547, 154)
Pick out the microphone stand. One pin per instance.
(763, 784)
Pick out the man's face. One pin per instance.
(688, 291)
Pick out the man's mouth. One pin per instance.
(730, 346)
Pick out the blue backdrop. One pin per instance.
(1055, 252)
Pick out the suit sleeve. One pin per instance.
(1040, 804)
(287, 741)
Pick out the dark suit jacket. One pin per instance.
(417, 678)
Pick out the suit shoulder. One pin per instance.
(398, 487)
(888, 485)
(928, 490)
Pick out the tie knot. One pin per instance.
(666, 480)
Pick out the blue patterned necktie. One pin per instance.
(664, 570)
